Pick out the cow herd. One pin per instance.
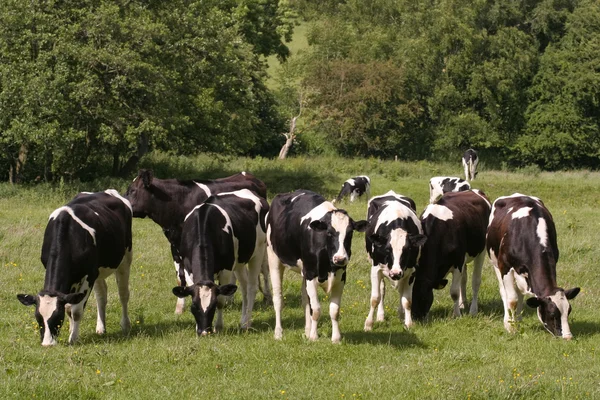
(223, 233)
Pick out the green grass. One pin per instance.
(468, 357)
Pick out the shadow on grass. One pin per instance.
(401, 339)
(491, 307)
(584, 328)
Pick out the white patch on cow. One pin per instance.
(47, 306)
(521, 281)
(340, 222)
(440, 212)
(493, 258)
(205, 297)
(70, 211)
(80, 287)
(189, 278)
(542, 232)
(204, 187)
(478, 193)
(509, 197)
(393, 211)
(116, 194)
(296, 197)
(522, 213)
(87, 193)
(244, 173)
(191, 212)
(351, 181)
(398, 239)
(246, 194)
(318, 212)
(560, 300)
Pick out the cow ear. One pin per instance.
(26, 299)
(442, 284)
(318, 225)
(572, 293)
(227, 290)
(534, 302)
(378, 239)
(72, 298)
(417, 240)
(360, 226)
(182, 291)
(146, 176)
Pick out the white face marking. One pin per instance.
(70, 211)
(522, 213)
(318, 212)
(393, 211)
(340, 222)
(439, 212)
(204, 187)
(205, 296)
(398, 239)
(116, 194)
(561, 302)
(542, 232)
(48, 305)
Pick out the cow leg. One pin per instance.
(255, 265)
(380, 307)
(405, 289)
(476, 282)
(224, 276)
(75, 315)
(265, 287)
(241, 273)
(276, 274)
(353, 195)
(455, 290)
(466, 167)
(376, 300)
(180, 305)
(463, 286)
(100, 290)
(337, 289)
(312, 287)
(306, 308)
(122, 278)
(510, 299)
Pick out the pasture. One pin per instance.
(445, 357)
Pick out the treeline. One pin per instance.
(88, 87)
(518, 80)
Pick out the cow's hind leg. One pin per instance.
(276, 274)
(122, 278)
(376, 297)
(455, 289)
(476, 282)
(100, 290)
(180, 305)
(264, 284)
(337, 289)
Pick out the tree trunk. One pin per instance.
(132, 162)
(286, 147)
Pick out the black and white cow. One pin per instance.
(355, 187)
(469, 162)
(455, 228)
(521, 243)
(224, 234)
(438, 185)
(85, 241)
(168, 201)
(313, 237)
(393, 240)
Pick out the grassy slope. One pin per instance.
(443, 358)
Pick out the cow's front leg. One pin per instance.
(337, 289)
(122, 278)
(405, 289)
(100, 290)
(276, 274)
(75, 315)
(376, 300)
(180, 305)
(312, 287)
(225, 276)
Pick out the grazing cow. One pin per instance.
(470, 161)
(85, 241)
(168, 201)
(393, 240)
(223, 234)
(455, 228)
(521, 243)
(311, 236)
(438, 185)
(355, 187)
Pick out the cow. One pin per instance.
(438, 185)
(355, 187)
(393, 240)
(310, 235)
(224, 234)
(455, 228)
(521, 243)
(469, 162)
(85, 241)
(168, 201)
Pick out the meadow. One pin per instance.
(444, 357)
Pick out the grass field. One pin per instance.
(443, 358)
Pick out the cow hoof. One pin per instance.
(510, 327)
(278, 335)
(380, 317)
(100, 331)
(336, 340)
(126, 325)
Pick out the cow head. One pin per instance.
(204, 302)
(338, 227)
(423, 295)
(399, 251)
(50, 312)
(554, 310)
(141, 192)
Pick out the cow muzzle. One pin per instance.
(396, 274)
(340, 261)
